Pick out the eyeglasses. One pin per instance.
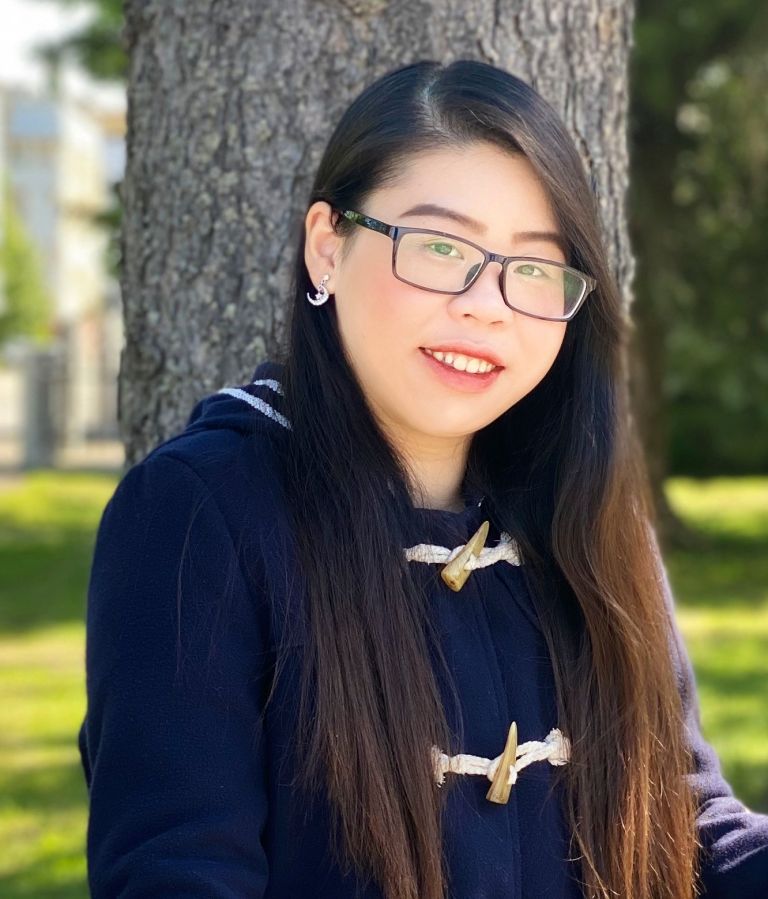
(443, 263)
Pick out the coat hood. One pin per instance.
(243, 406)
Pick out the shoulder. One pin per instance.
(204, 505)
(222, 465)
(232, 436)
(229, 426)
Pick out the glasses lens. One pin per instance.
(543, 288)
(444, 263)
(435, 262)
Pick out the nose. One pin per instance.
(484, 298)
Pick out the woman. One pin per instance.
(391, 619)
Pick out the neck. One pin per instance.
(437, 471)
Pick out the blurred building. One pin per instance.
(63, 158)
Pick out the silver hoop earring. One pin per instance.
(322, 293)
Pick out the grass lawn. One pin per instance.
(47, 527)
(722, 608)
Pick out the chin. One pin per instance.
(447, 428)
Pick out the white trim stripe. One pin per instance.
(258, 404)
(269, 382)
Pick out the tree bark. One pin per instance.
(229, 106)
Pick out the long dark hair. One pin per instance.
(562, 471)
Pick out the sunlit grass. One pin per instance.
(723, 507)
(47, 527)
(43, 807)
(722, 608)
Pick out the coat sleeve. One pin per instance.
(176, 677)
(733, 837)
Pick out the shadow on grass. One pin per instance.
(726, 569)
(27, 885)
(44, 850)
(45, 788)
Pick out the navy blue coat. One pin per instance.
(189, 786)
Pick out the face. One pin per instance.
(385, 324)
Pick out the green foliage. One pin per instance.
(699, 214)
(98, 48)
(721, 187)
(25, 305)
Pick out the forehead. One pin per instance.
(479, 180)
(479, 190)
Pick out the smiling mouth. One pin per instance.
(462, 361)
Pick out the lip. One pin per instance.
(465, 382)
(467, 349)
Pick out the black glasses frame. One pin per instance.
(396, 232)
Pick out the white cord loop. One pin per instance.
(505, 551)
(556, 749)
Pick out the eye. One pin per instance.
(441, 248)
(532, 270)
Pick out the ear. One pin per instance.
(322, 245)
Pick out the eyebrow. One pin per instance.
(474, 225)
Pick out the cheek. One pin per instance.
(380, 323)
(539, 343)
(379, 317)
(359, 309)
(547, 336)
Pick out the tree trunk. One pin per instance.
(229, 105)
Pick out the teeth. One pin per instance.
(461, 362)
